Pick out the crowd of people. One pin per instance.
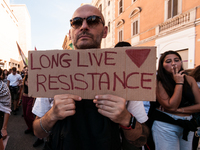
(107, 122)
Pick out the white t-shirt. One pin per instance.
(136, 108)
(41, 106)
(14, 79)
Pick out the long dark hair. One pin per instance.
(165, 77)
(196, 73)
(1, 73)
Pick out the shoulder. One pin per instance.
(19, 75)
(10, 75)
(190, 79)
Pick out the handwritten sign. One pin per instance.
(128, 72)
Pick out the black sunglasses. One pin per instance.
(92, 21)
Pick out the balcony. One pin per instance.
(178, 21)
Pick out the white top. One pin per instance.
(14, 79)
(136, 108)
(41, 106)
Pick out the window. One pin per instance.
(172, 8)
(120, 35)
(120, 6)
(135, 27)
(100, 8)
(108, 3)
(108, 27)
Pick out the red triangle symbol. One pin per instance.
(138, 56)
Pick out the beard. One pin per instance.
(94, 43)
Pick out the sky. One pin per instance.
(49, 21)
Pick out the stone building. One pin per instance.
(15, 28)
(166, 24)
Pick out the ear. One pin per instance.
(105, 32)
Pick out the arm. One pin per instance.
(137, 136)
(169, 104)
(4, 127)
(114, 108)
(196, 107)
(63, 107)
(8, 83)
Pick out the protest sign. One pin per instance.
(128, 72)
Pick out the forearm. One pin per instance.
(189, 109)
(137, 136)
(5, 121)
(46, 123)
(175, 100)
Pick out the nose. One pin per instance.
(84, 25)
(173, 63)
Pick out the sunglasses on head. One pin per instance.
(92, 21)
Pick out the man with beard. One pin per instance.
(73, 123)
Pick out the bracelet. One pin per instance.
(43, 127)
(179, 83)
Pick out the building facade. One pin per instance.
(166, 24)
(15, 28)
(107, 7)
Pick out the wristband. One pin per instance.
(43, 127)
(179, 83)
(131, 124)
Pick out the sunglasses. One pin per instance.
(92, 21)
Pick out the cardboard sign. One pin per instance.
(128, 72)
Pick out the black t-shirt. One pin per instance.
(86, 130)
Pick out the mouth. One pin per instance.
(84, 37)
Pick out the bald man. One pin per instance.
(73, 123)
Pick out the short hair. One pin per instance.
(14, 69)
(122, 44)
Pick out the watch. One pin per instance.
(131, 123)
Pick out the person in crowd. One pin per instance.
(1, 142)
(27, 103)
(9, 71)
(23, 72)
(4, 76)
(14, 81)
(77, 123)
(145, 103)
(196, 75)
(178, 97)
(5, 106)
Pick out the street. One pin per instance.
(18, 140)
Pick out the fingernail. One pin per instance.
(96, 96)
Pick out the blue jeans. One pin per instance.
(169, 137)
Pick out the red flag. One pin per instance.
(35, 48)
